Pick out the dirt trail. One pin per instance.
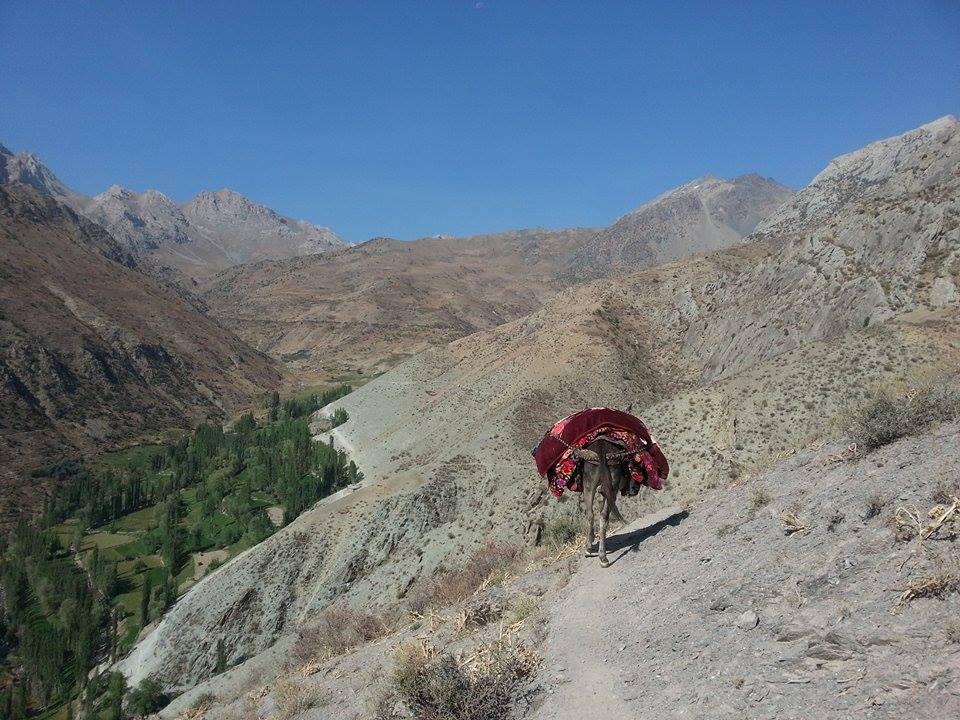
(587, 629)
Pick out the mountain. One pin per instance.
(190, 241)
(705, 214)
(93, 352)
(735, 357)
(365, 308)
(27, 168)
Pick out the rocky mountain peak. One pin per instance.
(707, 213)
(27, 168)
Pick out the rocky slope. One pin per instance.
(705, 214)
(93, 352)
(367, 307)
(183, 242)
(735, 357)
(781, 596)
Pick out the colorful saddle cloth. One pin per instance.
(647, 465)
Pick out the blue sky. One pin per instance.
(414, 118)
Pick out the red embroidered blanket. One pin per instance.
(647, 466)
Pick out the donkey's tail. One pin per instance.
(606, 484)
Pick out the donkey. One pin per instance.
(603, 470)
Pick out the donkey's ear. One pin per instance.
(629, 408)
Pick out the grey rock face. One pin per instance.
(28, 169)
(141, 221)
(256, 232)
(705, 214)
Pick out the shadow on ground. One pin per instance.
(630, 541)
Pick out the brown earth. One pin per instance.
(361, 310)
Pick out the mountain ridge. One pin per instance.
(193, 240)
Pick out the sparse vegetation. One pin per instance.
(759, 498)
(295, 697)
(429, 685)
(146, 698)
(451, 586)
(560, 530)
(885, 417)
(523, 607)
(952, 632)
(336, 631)
(874, 506)
(943, 581)
(834, 521)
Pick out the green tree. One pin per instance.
(145, 591)
(221, 664)
(146, 698)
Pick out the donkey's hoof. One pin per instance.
(604, 562)
(589, 553)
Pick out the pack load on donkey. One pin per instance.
(560, 454)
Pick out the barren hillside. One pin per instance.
(705, 214)
(734, 357)
(93, 352)
(367, 307)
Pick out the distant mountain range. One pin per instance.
(370, 306)
(214, 231)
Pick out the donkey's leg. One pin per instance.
(590, 490)
(604, 519)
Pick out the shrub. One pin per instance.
(146, 698)
(875, 505)
(295, 698)
(433, 686)
(560, 531)
(523, 607)
(759, 498)
(885, 418)
(456, 584)
(336, 631)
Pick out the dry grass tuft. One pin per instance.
(336, 631)
(431, 685)
(490, 565)
(561, 531)
(523, 607)
(941, 519)
(791, 522)
(938, 584)
(294, 698)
